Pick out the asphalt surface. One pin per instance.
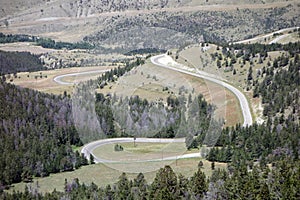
(58, 80)
(210, 77)
(267, 35)
(89, 148)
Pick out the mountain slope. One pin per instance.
(102, 22)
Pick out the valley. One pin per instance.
(162, 99)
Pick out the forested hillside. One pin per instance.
(179, 117)
(279, 135)
(280, 88)
(13, 62)
(36, 132)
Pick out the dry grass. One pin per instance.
(233, 112)
(25, 46)
(149, 80)
(140, 82)
(227, 104)
(47, 84)
(293, 37)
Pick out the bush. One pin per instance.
(118, 147)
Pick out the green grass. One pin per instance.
(142, 148)
(141, 151)
(102, 174)
(76, 148)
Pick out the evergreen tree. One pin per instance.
(142, 186)
(164, 185)
(198, 184)
(123, 188)
(92, 159)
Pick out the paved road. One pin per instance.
(58, 80)
(265, 36)
(89, 148)
(157, 60)
(278, 38)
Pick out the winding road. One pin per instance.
(268, 35)
(58, 80)
(167, 62)
(89, 148)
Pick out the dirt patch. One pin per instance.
(233, 112)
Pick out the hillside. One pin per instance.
(12, 62)
(36, 132)
(226, 62)
(262, 160)
(122, 26)
(83, 8)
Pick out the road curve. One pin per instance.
(89, 148)
(267, 35)
(241, 97)
(58, 80)
(278, 39)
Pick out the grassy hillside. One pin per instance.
(70, 8)
(122, 26)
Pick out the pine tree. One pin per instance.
(264, 193)
(92, 159)
(198, 184)
(123, 187)
(141, 184)
(164, 185)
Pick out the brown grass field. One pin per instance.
(25, 46)
(33, 80)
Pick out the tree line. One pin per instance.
(279, 182)
(14, 62)
(37, 133)
(115, 73)
(262, 49)
(139, 117)
(44, 42)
